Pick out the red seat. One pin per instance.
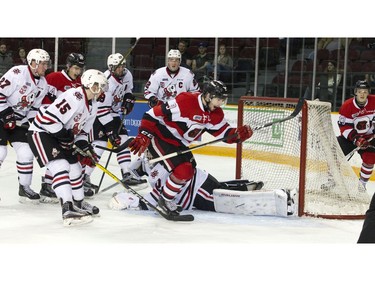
(367, 55)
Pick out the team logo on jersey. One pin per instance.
(55, 152)
(154, 173)
(77, 117)
(16, 71)
(197, 118)
(26, 101)
(78, 95)
(77, 128)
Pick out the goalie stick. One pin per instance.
(161, 212)
(297, 110)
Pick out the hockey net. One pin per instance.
(300, 153)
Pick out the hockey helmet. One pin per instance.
(75, 59)
(91, 77)
(174, 54)
(114, 60)
(362, 84)
(37, 55)
(216, 89)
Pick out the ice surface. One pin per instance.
(132, 242)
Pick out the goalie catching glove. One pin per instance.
(88, 156)
(140, 143)
(240, 134)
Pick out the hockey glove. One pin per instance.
(240, 134)
(362, 143)
(88, 156)
(128, 103)
(140, 143)
(8, 118)
(153, 101)
(65, 138)
(114, 138)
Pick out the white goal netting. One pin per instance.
(306, 157)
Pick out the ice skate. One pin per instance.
(81, 204)
(89, 188)
(128, 179)
(73, 215)
(26, 194)
(47, 194)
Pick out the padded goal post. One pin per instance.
(301, 153)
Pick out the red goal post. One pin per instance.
(301, 153)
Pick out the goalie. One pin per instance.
(204, 192)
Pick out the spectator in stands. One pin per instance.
(224, 64)
(329, 81)
(6, 61)
(21, 58)
(186, 57)
(202, 63)
(331, 43)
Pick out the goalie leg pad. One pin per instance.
(258, 203)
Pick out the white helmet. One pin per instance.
(37, 55)
(114, 60)
(91, 77)
(174, 54)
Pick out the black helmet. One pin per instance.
(362, 84)
(216, 89)
(75, 59)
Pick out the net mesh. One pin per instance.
(272, 155)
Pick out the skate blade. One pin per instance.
(48, 200)
(25, 200)
(68, 222)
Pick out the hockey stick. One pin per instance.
(297, 110)
(128, 52)
(115, 150)
(167, 216)
(125, 144)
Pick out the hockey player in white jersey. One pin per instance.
(205, 192)
(108, 125)
(52, 136)
(22, 90)
(168, 81)
(58, 83)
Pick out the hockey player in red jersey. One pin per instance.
(172, 126)
(52, 136)
(357, 127)
(169, 81)
(58, 83)
(22, 90)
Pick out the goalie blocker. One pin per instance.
(204, 192)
